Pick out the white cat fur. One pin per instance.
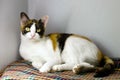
(77, 51)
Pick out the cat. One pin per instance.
(60, 51)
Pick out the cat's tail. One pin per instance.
(107, 67)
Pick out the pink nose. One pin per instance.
(33, 35)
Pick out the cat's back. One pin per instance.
(64, 36)
(62, 40)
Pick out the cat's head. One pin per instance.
(32, 29)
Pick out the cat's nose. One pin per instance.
(32, 35)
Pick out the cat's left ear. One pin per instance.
(45, 20)
(24, 18)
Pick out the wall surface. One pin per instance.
(58, 11)
(9, 29)
(97, 19)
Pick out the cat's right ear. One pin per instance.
(24, 18)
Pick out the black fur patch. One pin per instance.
(24, 31)
(62, 39)
(41, 27)
(105, 70)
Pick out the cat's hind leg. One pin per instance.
(83, 67)
(62, 67)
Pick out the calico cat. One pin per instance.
(60, 51)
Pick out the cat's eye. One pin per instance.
(27, 29)
(38, 30)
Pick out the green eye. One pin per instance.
(27, 29)
(38, 30)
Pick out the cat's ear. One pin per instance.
(24, 18)
(45, 20)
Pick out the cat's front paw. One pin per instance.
(45, 69)
(37, 65)
(57, 68)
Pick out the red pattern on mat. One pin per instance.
(22, 70)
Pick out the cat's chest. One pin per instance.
(34, 48)
(40, 49)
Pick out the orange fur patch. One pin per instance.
(106, 58)
(99, 56)
(53, 38)
(22, 28)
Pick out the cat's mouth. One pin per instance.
(32, 38)
(35, 38)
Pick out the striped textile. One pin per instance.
(22, 70)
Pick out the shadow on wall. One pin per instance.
(9, 30)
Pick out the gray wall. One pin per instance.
(58, 11)
(9, 29)
(97, 19)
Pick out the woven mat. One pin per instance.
(22, 70)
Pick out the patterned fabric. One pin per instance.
(22, 70)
